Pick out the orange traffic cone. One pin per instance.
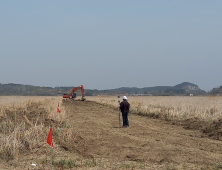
(58, 110)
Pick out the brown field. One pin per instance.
(164, 133)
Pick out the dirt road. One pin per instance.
(151, 143)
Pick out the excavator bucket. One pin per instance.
(83, 98)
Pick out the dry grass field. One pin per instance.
(164, 133)
(174, 107)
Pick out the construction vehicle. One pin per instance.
(72, 95)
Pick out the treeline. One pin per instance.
(216, 91)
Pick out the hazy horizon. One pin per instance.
(102, 89)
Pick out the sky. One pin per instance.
(107, 44)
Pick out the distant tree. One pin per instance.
(88, 93)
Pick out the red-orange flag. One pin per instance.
(49, 140)
(58, 110)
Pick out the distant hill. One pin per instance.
(27, 90)
(185, 88)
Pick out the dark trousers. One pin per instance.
(125, 118)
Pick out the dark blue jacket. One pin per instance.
(124, 106)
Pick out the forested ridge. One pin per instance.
(182, 89)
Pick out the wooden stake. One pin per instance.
(119, 120)
(119, 111)
(51, 156)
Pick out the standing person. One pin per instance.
(124, 107)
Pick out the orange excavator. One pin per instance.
(73, 94)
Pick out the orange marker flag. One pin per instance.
(49, 140)
(58, 110)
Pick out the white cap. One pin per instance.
(124, 97)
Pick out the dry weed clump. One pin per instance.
(24, 126)
(170, 107)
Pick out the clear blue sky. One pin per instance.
(109, 44)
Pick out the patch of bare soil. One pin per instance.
(212, 130)
(148, 143)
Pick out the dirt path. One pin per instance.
(153, 143)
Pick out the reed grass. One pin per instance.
(25, 123)
(170, 107)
